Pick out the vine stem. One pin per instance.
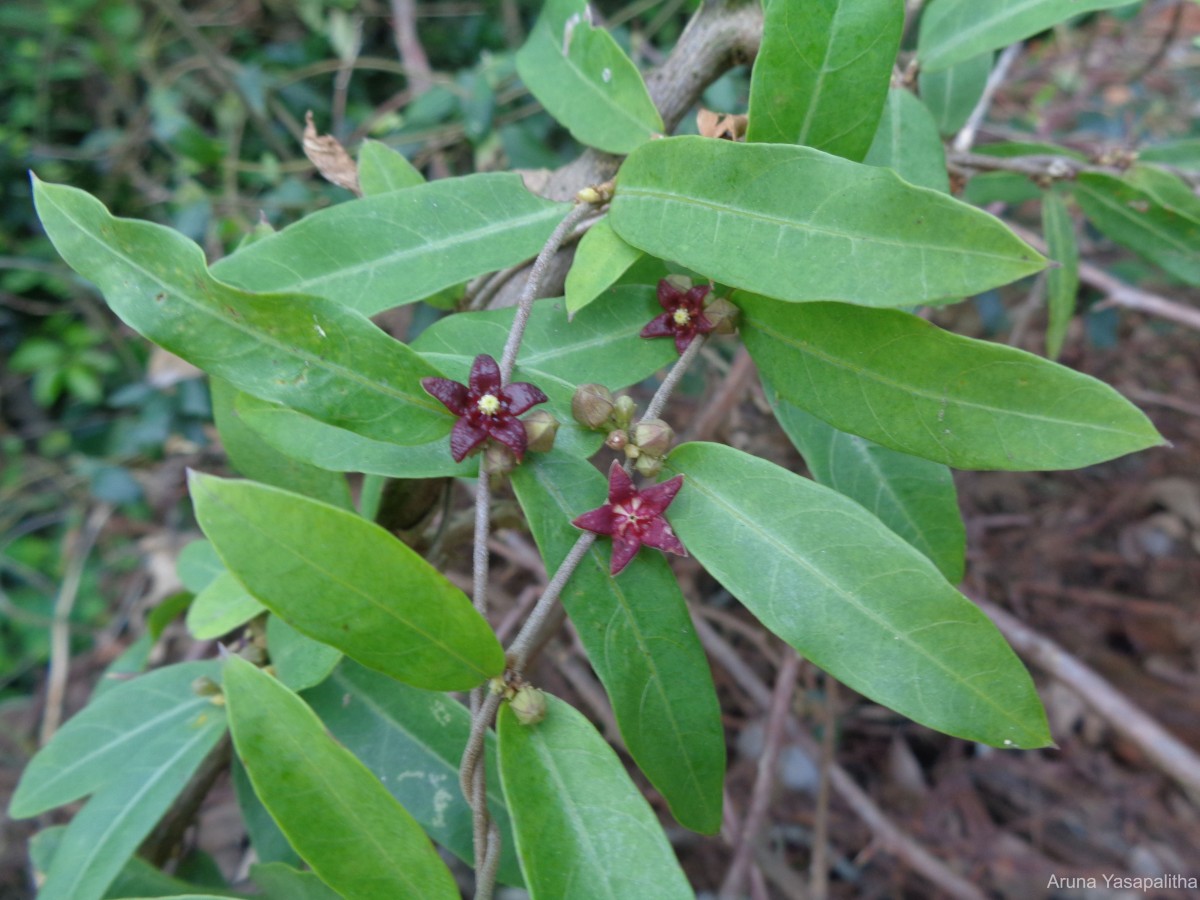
(508, 360)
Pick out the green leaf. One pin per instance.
(955, 30)
(282, 882)
(382, 169)
(583, 831)
(895, 379)
(106, 833)
(307, 353)
(198, 565)
(600, 260)
(1062, 283)
(952, 93)
(585, 80)
(298, 660)
(797, 224)
(1151, 223)
(269, 843)
(908, 143)
(823, 72)
(221, 607)
(339, 450)
(259, 461)
(640, 640)
(337, 815)
(413, 741)
(912, 496)
(378, 252)
(348, 583)
(849, 594)
(126, 728)
(1183, 152)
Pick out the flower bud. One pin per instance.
(724, 316)
(623, 411)
(592, 405)
(498, 459)
(529, 705)
(680, 282)
(654, 437)
(540, 430)
(616, 440)
(648, 465)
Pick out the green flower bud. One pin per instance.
(540, 431)
(592, 405)
(529, 705)
(647, 465)
(654, 437)
(498, 459)
(723, 315)
(616, 440)
(680, 282)
(623, 411)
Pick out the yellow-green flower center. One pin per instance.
(488, 404)
(682, 316)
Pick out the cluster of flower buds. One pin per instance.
(646, 443)
(527, 702)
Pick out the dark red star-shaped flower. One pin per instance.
(684, 317)
(633, 518)
(484, 408)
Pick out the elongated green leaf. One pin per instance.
(378, 252)
(952, 93)
(259, 461)
(269, 843)
(298, 660)
(309, 354)
(912, 496)
(198, 566)
(798, 224)
(413, 741)
(908, 143)
(895, 379)
(955, 30)
(221, 607)
(844, 590)
(382, 169)
(600, 260)
(337, 815)
(585, 80)
(583, 831)
(106, 833)
(1062, 283)
(282, 882)
(1184, 153)
(639, 639)
(339, 450)
(126, 728)
(823, 72)
(348, 583)
(1147, 222)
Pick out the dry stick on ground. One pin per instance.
(1166, 751)
(764, 782)
(1117, 292)
(886, 832)
(820, 850)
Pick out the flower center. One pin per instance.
(488, 404)
(628, 518)
(682, 316)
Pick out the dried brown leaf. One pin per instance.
(330, 157)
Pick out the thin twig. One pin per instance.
(966, 136)
(764, 782)
(819, 870)
(408, 45)
(60, 631)
(1117, 292)
(1169, 753)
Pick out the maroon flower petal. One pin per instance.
(657, 498)
(695, 297)
(598, 521)
(465, 437)
(659, 535)
(659, 326)
(510, 431)
(624, 549)
(683, 340)
(452, 394)
(703, 323)
(485, 375)
(620, 485)
(521, 395)
(669, 296)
